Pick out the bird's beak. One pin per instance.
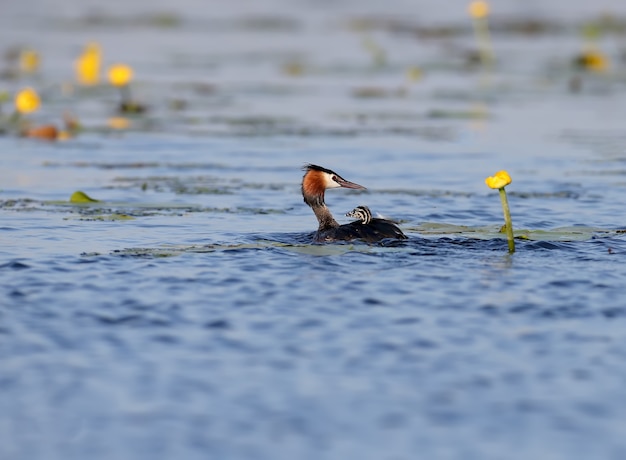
(347, 184)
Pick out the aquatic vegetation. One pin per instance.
(374, 92)
(558, 234)
(479, 11)
(4, 98)
(29, 61)
(118, 123)
(120, 76)
(593, 61)
(27, 101)
(113, 217)
(87, 65)
(72, 124)
(293, 68)
(499, 181)
(376, 52)
(82, 197)
(414, 74)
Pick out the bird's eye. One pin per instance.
(334, 178)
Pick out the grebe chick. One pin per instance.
(361, 213)
(314, 183)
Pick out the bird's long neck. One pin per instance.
(323, 214)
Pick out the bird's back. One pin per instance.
(375, 230)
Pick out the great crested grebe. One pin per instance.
(314, 183)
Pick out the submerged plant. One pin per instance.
(479, 11)
(499, 181)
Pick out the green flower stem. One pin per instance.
(507, 220)
(481, 31)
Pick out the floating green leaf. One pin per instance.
(82, 197)
(107, 217)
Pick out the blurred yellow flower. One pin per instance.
(63, 136)
(478, 9)
(500, 180)
(87, 66)
(293, 68)
(120, 74)
(118, 123)
(594, 61)
(27, 101)
(29, 61)
(414, 73)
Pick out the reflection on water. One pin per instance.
(187, 314)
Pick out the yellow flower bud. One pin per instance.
(479, 9)
(87, 65)
(500, 180)
(27, 101)
(120, 75)
(29, 61)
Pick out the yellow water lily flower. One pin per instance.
(478, 9)
(87, 66)
(500, 180)
(594, 61)
(29, 61)
(64, 136)
(120, 75)
(27, 101)
(118, 123)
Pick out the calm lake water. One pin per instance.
(186, 314)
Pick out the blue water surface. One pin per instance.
(187, 314)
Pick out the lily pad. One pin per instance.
(106, 217)
(492, 232)
(82, 197)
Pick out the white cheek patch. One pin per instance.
(329, 182)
